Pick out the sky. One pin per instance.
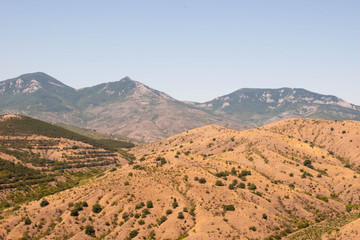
(191, 49)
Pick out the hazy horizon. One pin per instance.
(191, 50)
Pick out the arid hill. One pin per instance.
(294, 179)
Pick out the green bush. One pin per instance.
(44, 203)
(202, 180)
(27, 221)
(133, 234)
(229, 207)
(97, 208)
(303, 224)
(251, 186)
(175, 203)
(221, 174)
(252, 228)
(140, 205)
(161, 220)
(322, 198)
(219, 183)
(307, 163)
(89, 230)
(149, 204)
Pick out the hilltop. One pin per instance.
(136, 111)
(286, 179)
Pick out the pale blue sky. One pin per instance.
(190, 49)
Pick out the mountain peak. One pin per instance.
(29, 83)
(127, 78)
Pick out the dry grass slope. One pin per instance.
(214, 183)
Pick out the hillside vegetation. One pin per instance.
(95, 134)
(296, 178)
(39, 159)
(26, 126)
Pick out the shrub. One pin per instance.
(244, 173)
(229, 207)
(264, 216)
(242, 185)
(27, 221)
(74, 213)
(161, 220)
(348, 207)
(221, 174)
(149, 204)
(303, 224)
(89, 230)
(180, 215)
(202, 180)
(97, 208)
(133, 234)
(139, 205)
(175, 204)
(141, 222)
(307, 163)
(323, 198)
(168, 212)
(219, 183)
(251, 186)
(145, 212)
(138, 167)
(252, 228)
(44, 203)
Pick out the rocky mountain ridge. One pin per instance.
(130, 108)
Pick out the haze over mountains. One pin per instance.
(132, 109)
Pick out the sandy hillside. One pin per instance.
(214, 183)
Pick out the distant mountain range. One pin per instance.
(135, 110)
